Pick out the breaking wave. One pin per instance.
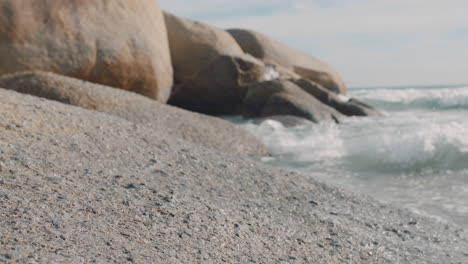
(415, 98)
(415, 156)
(389, 145)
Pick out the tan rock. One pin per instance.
(282, 97)
(275, 52)
(195, 45)
(208, 131)
(118, 43)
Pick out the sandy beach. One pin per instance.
(81, 186)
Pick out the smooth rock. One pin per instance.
(275, 52)
(195, 45)
(219, 88)
(118, 43)
(348, 106)
(208, 131)
(282, 97)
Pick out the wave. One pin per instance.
(303, 144)
(388, 145)
(417, 148)
(394, 99)
(416, 159)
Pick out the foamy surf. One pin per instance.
(416, 156)
(378, 145)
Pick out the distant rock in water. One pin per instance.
(282, 97)
(208, 131)
(118, 43)
(344, 105)
(275, 52)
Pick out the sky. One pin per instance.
(369, 42)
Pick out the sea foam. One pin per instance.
(416, 156)
(391, 144)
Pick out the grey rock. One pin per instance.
(282, 97)
(274, 52)
(351, 107)
(219, 88)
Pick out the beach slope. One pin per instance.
(81, 186)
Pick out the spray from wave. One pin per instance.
(308, 143)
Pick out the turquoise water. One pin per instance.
(416, 156)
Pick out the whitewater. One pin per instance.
(416, 156)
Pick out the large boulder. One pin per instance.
(194, 45)
(282, 97)
(208, 131)
(344, 105)
(118, 43)
(219, 88)
(210, 69)
(275, 52)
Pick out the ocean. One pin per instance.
(415, 157)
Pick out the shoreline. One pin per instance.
(81, 186)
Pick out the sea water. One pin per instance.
(416, 156)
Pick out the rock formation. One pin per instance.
(219, 74)
(282, 97)
(135, 46)
(210, 69)
(219, 88)
(344, 105)
(194, 45)
(276, 53)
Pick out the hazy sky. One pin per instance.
(369, 42)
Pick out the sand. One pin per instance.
(79, 186)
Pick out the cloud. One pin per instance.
(359, 16)
(338, 16)
(210, 10)
(370, 42)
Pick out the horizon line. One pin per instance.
(452, 85)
